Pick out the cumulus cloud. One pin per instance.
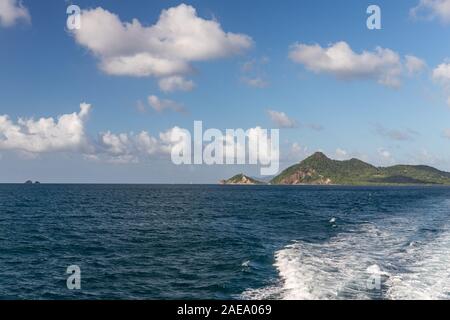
(12, 11)
(261, 144)
(382, 65)
(165, 49)
(175, 83)
(414, 64)
(430, 9)
(66, 133)
(441, 74)
(161, 105)
(281, 119)
(130, 147)
(29, 138)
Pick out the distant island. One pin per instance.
(318, 169)
(241, 179)
(31, 182)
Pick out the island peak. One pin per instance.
(241, 179)
(318, 169)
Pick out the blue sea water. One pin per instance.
(225, 242)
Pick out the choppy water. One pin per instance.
(225, 242)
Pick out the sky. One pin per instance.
(101, 104)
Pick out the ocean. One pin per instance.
(224, 242)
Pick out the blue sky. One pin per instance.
(346, 111)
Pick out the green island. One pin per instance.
(318, 169)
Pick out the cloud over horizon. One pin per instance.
(125, 148)
(65, 133)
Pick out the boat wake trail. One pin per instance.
(427, 275)
(395, 258)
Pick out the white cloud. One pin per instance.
(441, 74)
(281, 119)
(382, 65)
(66, 133)
(384, 157)
(164, 49)
(242, 145)
(126, 148)
(175, 83)
(431, 9)
(297, 152)
(142, 65)
(385, 154)
(11, 11)
(256, 82)
(341, 154)
(261, 144)
(132, 148)
(174, 137)
(115, 144)
(29, 138)
(414, 64)
(161, 105)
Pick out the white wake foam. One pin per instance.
(427, 275)
(333, 270)
(347, 266)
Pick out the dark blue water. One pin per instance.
(224, 242)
